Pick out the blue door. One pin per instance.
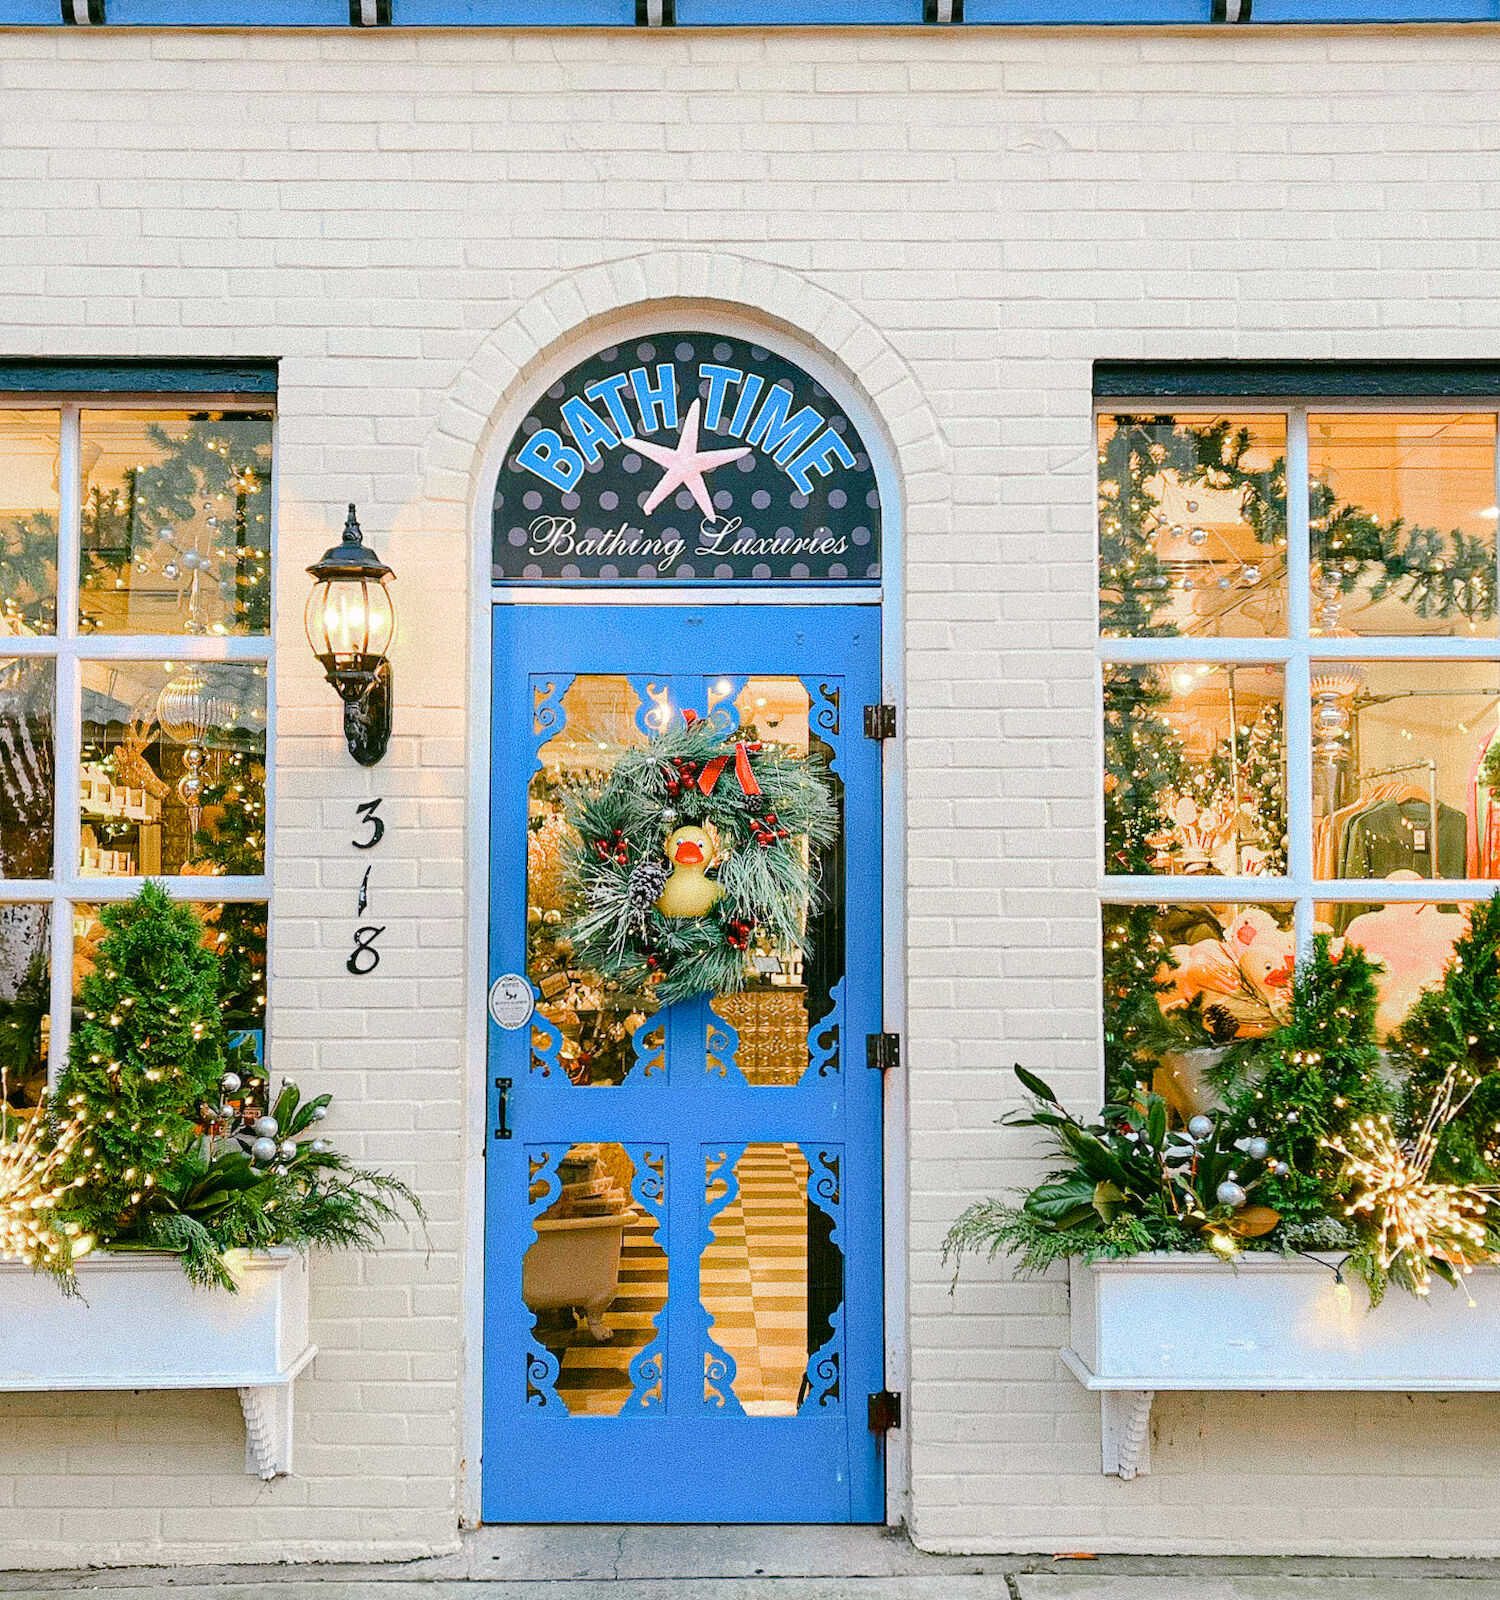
(683, 1295)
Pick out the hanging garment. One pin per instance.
(1328, 833)
(1484, 822)
(1392, 836)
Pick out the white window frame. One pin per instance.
(69, 649)
(1295, 654)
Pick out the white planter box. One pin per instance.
(141, 1325)
(1192, 1322)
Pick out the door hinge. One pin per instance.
(880, 722)
(882, 1051)
(885, 1411)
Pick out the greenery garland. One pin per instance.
(755, 804)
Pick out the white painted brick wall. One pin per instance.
(966, 219)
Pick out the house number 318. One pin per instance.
(364, 957)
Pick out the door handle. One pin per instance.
(503, 1108)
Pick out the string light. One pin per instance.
(30, 1187)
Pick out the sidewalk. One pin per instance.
(794, 1563)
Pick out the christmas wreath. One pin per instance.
(696, 846)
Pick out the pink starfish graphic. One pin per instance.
(685, 464)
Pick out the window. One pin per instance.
(1300, 696)
(135, 671)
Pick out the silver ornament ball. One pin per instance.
(288, 1150)
(1257, 1149)
(1281, 1169)
(230, 1082)
(1199, 536)
(319, 1112)
(319, 1146)
(266, 1127)
(264, 1150)
(1230, 1194)
(1200, 1127)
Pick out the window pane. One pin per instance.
(29, 455)
(1413, 942)
(1389, 738)
(173, 768)
(176, 522)
(1183, 982)
(25, 982)
(1195, 772)
(26, 775)
(1403, 524)
(236, 930)
(1192, 526)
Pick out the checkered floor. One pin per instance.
(754, 1286)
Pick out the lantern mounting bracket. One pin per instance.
(367, 721)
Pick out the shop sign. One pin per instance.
(686, 458)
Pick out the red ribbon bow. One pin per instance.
(741, 769)
(741, 762)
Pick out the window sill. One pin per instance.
(141, 1325)
(1263, 1323)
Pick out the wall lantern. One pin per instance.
(350, 620)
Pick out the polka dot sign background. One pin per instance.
(765, 528)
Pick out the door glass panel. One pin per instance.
(589, 1030)
(788, 1015)
(30, 451)
(24, 1011)
(595, 1279)
(771, 1278)
(176, 522)
(173, 772)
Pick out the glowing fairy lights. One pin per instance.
(30, 1187)
(1416, 1219)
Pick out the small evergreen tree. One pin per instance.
(1313, 1077)
(145, 1059)
(1457, 1025)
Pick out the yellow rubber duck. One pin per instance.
(688, 892)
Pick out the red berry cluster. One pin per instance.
(737, 931)
(614, 847)
(767, 830)
(684, 777)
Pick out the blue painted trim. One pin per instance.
(83, 375)
(685, 1459)
(253, 14)
(1281, 380)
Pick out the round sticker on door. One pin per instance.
(511, 1001)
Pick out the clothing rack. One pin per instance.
(1430, 767)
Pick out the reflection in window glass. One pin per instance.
(26, 768)
(176, 522)
(29, 454)
(1391, 740)
(597, 1022)
(1414, 943)
(1192, 526)
(784, 992)
(1181, 982)
(24, 1009)
(1195, 770)
(235, 930)
(772, 1279)
(173, 768)
(1403, 523)
(595, 1279)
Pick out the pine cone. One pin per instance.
(1221, 1024)
(645, 887)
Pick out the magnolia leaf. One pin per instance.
(1109, 1201)
(1156, 1121)
(1062, 1205)
(1254, 1222)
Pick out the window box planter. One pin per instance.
(1192, 1322)
(141, 1325)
